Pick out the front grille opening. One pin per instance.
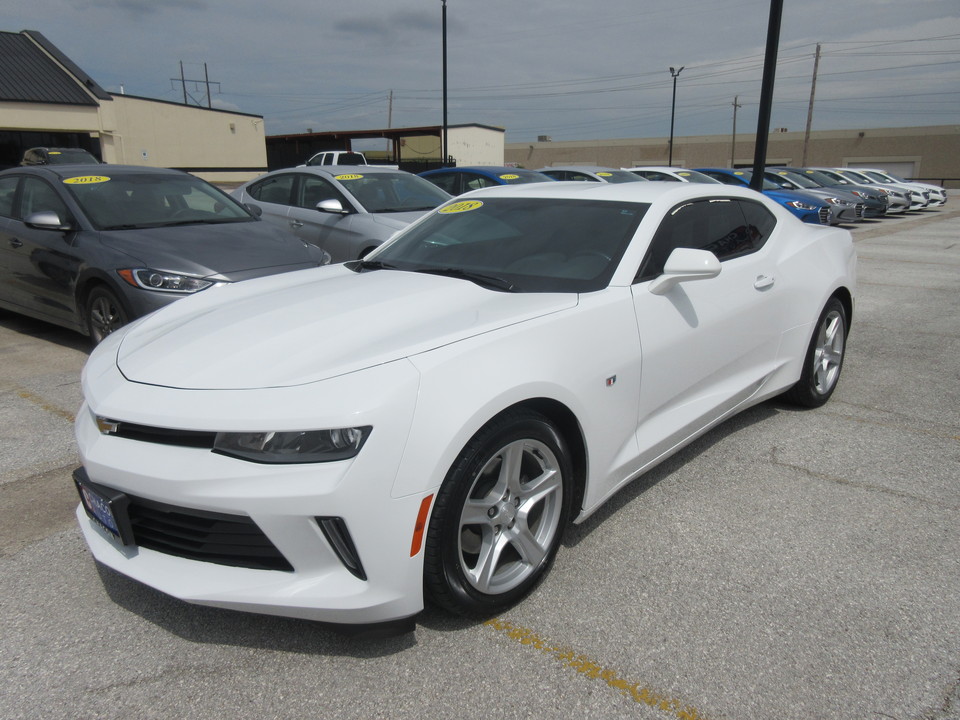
(234, 540)
(335, 531)
(165, 436)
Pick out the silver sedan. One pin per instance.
(347, 211)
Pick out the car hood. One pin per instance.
(305, 327)
(222, 251)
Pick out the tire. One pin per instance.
(499, 516)
(824, 358)
(103, 313)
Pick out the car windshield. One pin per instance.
(824, 179)
(619, 176)
(509, 176)
(70, 157)
(694, 176)
(127, 200)
(747, 176)
(520, 245)
(876, 177)
(391, 192)
(857, 177)
(800, 180)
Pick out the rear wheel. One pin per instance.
(824, 358)
(104, 314)
(499, 516)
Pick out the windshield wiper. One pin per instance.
(203, 221)
(488, 281)
(361, 265)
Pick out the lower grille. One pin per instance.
(859, 210)
(824, 216)
(233, 540)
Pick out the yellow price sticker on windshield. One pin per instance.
(86, 180)
(463, 206)
(352, 176)
(605, 174)
(509, 177)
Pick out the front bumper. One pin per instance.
(283, 505)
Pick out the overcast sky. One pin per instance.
(573, 70)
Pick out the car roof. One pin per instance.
(334, 170)
(580, 168)
(615, 192)
(658, 168)
(79, 169)
(493, 169)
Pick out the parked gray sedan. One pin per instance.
(346, 210)
(91, 247)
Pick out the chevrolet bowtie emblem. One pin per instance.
(107, 427)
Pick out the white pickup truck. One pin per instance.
(338, 157)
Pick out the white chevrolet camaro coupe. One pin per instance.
(346, 443)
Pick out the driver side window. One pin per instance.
(37, 196)
(719, 225)
(313, 189)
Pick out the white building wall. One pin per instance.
(476, 145)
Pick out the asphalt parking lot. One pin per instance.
(789, 564)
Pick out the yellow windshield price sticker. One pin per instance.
(605, 174)
(459, 207)
(509, 177)
(86, 180)
(352, 176)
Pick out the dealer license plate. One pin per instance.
(106, 507)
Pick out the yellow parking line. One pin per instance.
(591, 669)
(41, 403)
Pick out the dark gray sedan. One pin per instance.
(91, 247)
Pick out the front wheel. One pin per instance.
(824, 358)
(104, 314)
(499, 516)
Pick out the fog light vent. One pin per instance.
(335, 531)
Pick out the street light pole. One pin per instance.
(445, 150)
(673, 107)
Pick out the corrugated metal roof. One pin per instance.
(28, 74)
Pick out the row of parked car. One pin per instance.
(93, 246)
(827, 196)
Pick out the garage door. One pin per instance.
(900, 169)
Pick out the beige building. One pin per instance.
(46, 100)
(928, 153)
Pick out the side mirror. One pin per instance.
(684, 265)
(47, 220)
(255, 210)
(331, 206)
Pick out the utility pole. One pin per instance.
(389, 117)
(766, 94)
(813, 90)
(207, 82)
(733, 138)
(445, 149)
(673, 107)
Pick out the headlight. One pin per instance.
(801, 205)
(163, 281)
(860, 194)
(304, 446)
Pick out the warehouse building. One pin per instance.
(46, 100)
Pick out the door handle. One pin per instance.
(763, 282)
(296, 224)
(16, 243)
